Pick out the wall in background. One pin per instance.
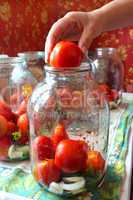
(24, 25)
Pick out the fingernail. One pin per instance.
(84, 50)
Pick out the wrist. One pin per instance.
(98, 18)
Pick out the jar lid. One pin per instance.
(11, 60)
(31, 55)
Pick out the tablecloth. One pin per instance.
(18, 180)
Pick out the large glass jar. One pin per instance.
(109, 72)
(69, 124)
(35, 62)
(16, 85)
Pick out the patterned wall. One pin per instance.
(24, 25)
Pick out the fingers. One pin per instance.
(54, 35)
(85, 40)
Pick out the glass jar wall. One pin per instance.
(109, 72)
(69, 124)
(35, 62)
(16, 85)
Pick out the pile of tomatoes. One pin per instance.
(59, 154)
(14, 127)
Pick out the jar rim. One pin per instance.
(106, 49)
(31, 55)
(8, 60)
(85, 66)
(3, 56)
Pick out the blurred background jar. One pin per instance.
(3, 56)
(16, 85)
(2, 81)
(35, 62)
(68, 130)
(109, 72)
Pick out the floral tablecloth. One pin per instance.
(18, 179)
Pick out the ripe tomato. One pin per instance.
(22, 108)
(59, 135)
(109, 97)
(23, 123)
(5, 143)
(115, 94)
(43, 147)
(95, 161)
(3, 126)
(66, 54)
(104, 88)
(23, 127)
(48, 172)
(71, 155)
(11, 127)
(5, 110)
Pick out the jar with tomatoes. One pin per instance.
(16, 84)
(109, 73)
(69, 123)
(35, 62)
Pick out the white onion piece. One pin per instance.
(73, 179)
(73, 186)
(55, 188)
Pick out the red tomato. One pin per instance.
(5, 143)
(48, 172)
(110, 97)
(59, 135)
(71, 155)
(3, 126)
(95, 161)
(11, 127)
(43, 147)
(104, 88)
(23, 126)
(114, 94)
(66, 54)
(23, 123)
(22, 108)
(5, 110)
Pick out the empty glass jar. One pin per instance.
(35, 62)
(69, 123)
(16, 85)
(109, 72)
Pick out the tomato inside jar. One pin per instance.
(16, 86)
(68, 130)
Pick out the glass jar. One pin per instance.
(3, 56)
(35, 62)
(109, 72)
(68, 130)
(16, 84)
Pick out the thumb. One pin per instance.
(85, 40)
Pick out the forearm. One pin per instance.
(116, 14)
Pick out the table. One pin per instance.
(125, 187)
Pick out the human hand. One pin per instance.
(74, 26)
